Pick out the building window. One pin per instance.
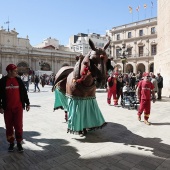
(140, 32)
(117, 52)
(129, 34)
(141, 51)
(153, 30)
(153, 49)
(118, 36)
(129, 52)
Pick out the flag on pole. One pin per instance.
(130, 9)
(137, 9)
(145, 6)
(151, 4)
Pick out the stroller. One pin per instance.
(129, 99)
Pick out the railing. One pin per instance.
(138, 56)
(35, 52)
(135, 24)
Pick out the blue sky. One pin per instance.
(40, 19)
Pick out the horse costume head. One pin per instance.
(97, 63)
(89, 72)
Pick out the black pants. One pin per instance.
(159, 93)
(36, 86)
(26, 83)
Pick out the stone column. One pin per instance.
(112, 50)
(162, 59)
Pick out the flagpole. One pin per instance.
(138, 15)
(151, 12)
(151, 8)
(132, 16)
(131, 11)
(137, 9)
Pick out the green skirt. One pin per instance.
(60, 100)
(84, 113)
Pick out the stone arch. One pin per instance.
(141, 68)
(141, 44)
(65, 64)
(129, 68)
(118, 47)
(23, 67)
(151, 67)
(45, 67)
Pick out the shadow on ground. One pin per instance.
(164, 99)
(57, 154)
(118, 133)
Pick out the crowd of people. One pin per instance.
(146, 86)
(43, 79)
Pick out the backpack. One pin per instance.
(110, 83)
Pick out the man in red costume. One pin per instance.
(144, 90)
(13, 97)
(112, 89)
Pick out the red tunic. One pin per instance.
(12, 93)
(145, 89)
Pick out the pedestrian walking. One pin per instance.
(120, 84)
(155, 83)
(43, 80)
(13, 97)
(36, 82)
(112, 89)
(25, 79)
(144, 90)
(160, 85)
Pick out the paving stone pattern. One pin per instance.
(124, 144)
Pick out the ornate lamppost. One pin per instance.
(123, 53)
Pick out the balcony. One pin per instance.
(144, 55)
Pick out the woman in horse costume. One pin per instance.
(75, 90)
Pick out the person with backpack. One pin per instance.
(112, 89)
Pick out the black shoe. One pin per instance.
(20, 148)
(11, 147)
(84, 132)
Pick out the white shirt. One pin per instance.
(24, 77)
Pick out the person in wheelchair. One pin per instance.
(126, 88)
(129, 97)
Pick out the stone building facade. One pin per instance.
(80, 42)
(28, 58)
(140, 42)
(162, 59)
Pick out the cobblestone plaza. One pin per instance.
(125, 143)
